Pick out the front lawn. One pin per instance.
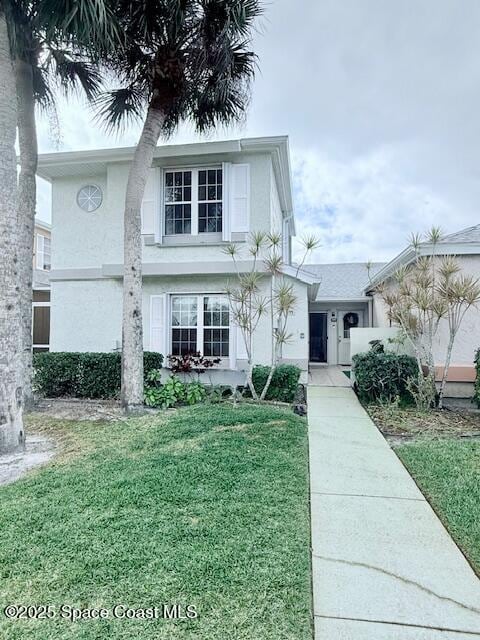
(205, 506)
(448, 473)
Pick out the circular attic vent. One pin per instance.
(89, 197)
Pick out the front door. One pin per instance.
(318, 337)
(348, 320)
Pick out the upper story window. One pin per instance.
(193, 201)
(43, 252)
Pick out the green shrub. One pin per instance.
(84, 375)
(283, 385)
(476, 396)
(383, 376)
(174, 392)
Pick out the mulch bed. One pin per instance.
(405, 423)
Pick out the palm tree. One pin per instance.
(50, 42)
(11, 423)
(183, 60)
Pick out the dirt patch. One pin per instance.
(402, 424)
(80, 409)
(242, 427)
(38, 451)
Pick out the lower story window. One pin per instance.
(200, 324)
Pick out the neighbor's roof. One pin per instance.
(471, 234)
(463, 242)
(345, 281)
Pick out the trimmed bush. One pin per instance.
(476, 396)
(383, 376)
(84, 375)
(283, 385)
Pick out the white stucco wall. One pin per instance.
(86, 315)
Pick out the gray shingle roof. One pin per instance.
(471, 234)
(342, 281)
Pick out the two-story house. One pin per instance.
(41, 286)
(199, 197)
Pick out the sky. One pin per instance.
(381, 103)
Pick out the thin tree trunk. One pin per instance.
(446, 367)
(12, 436)
(132, 330)
(26, 202)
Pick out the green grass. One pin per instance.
(448, 471)
(208, 506)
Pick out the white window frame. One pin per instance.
(225, 360)
(34, 305)
(194, 201)
(40, 252)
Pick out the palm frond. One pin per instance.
(116, 108)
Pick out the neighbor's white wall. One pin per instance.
(468, 338)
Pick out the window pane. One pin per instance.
(202, 177)
(41, 325)
(41, 296)
(178, 190)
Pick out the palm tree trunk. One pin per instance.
(26, 202)
(12, 436)
(132, 330)
(448, 358)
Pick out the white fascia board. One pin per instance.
(338, 300)
(426, 249)
(278, 148)
(96, 160)
(307, 278)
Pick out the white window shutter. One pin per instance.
(160, 207)
(239, 187)
(148, 203)
(226, 205)
(40, 251)
(158, 324)
(241, 351)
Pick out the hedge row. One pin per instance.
(476, 396)
(383, 376)
(84, 375)
(283, 386)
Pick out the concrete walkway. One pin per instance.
(384, 567)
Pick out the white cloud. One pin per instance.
(360, 209)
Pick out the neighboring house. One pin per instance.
(199, 197)
(41, 286)
(465, 246)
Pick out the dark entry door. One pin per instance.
(318, 337)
